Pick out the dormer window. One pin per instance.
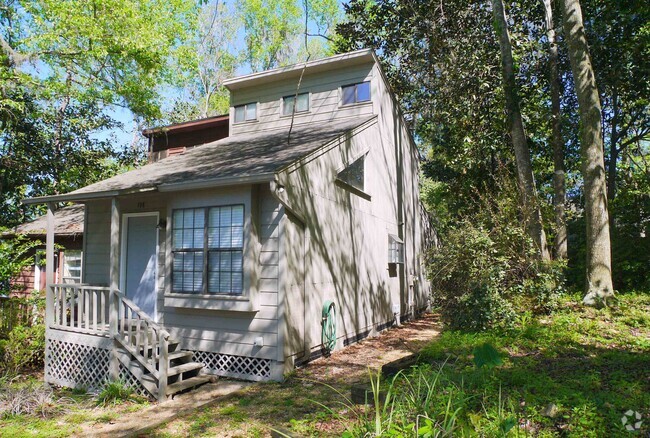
(356, 93)
(300, 102)
(246, 112)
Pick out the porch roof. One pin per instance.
(241, 159)
(69, 222)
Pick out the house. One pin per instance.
(296, 235)
(171, 140)
(163, 142)
(68, 252)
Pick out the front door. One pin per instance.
(140, 241)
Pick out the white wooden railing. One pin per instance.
(79, 307)
(102, 311)
(146, 340)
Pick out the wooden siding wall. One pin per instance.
(97, 233)
(324, 106)
(235, 332)
(346, 235)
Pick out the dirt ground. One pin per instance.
(350, 365)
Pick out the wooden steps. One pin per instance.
(192, 382)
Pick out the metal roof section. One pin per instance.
(69, 221)
(243, 159)
(364, 56)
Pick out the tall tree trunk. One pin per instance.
(559, 181)
(599, 265)
(525, 176)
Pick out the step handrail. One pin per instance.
(135, 338)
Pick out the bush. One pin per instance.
(487, 269)
(25, 348)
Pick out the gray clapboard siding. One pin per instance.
(97, 243)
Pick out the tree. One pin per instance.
(598, 268)
(559, 181)
(518, 136)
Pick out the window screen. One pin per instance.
(208, 250)
(395, 249)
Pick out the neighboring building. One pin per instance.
(298, 234)
(69, 243)
(170, 140)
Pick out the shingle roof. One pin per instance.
(260, 153)
(67, 221)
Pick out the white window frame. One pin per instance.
(64, 278)
(245, 107)
(356, 101)
(294, 96)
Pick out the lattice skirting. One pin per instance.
(75, 365)
(130, 380)
(241, 367)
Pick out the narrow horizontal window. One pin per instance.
(246, 112)
(300, 103)
(356, 93)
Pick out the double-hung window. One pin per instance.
(356, 93)
(207, 246)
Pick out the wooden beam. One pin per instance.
(49, 265)
(114, 277)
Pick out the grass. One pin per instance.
(44, 412)
(586, 367)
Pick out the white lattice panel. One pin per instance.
(130, 380)
(75, 365)
(235, 366)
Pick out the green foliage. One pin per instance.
(16, 253)
(486, 356)
(24, 349)
(114, 392)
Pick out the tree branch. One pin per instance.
(15, 58)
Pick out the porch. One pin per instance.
(95, 333)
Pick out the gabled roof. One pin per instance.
(68, 221)
(242, 159)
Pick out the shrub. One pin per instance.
(30, 400)
(25, 348)
(114, 392)
(487, 269)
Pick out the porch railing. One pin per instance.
(103, 311)
(80, 308)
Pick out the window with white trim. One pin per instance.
(71, 266)
(301, 103)
(395, 249)
(356, 93)
(246, 112)
(207, 247)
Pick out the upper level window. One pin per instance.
(353, 175)
(246, 112)
(356, 93)
(207, 246)
(300, 102)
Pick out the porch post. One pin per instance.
(49, 266)
(114, 277)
